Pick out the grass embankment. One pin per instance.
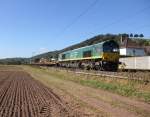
(123, 87)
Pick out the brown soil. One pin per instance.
(22, 96)
(108, 104)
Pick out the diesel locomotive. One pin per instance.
(100, 56)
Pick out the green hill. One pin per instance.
(14, 61)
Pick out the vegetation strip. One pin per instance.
(128, 89)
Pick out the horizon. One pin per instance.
(30, 27)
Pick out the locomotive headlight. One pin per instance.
(115, 50)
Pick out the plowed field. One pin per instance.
(22, 96)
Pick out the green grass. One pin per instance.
(125, 90)
(144, 95)
(128, 89)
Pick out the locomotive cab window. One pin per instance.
(87, 53)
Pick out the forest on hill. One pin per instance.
(14, 61)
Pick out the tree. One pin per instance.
(141, 35)
(125, 35)
(131, 35)
(136, 35)
(146, 43)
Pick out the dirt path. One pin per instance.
(22, 96)
(108, 103)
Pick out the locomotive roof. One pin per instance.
(88, 46)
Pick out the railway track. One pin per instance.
(139, 75)
(22, 96)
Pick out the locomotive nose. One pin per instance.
(111, 57)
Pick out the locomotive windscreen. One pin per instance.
(110, 46)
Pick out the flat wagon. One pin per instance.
(135, 63)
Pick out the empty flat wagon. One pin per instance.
(135, 63)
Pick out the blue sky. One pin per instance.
(29, 27)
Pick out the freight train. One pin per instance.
(100, 56)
